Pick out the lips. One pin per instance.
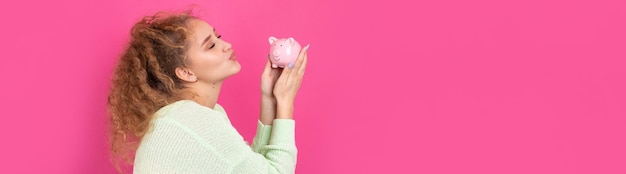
(232, 57)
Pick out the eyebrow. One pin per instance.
(207, 38)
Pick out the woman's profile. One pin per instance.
(163, 103)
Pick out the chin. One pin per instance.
(236, 68)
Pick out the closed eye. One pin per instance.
(213, 45)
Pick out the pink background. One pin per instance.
(446, 87)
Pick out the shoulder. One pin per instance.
(206, 125)
(196, 117)
(219, 108)
(184, 123)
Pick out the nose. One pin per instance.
(276, 53)
(227, 47)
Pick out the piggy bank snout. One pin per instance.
(276, 53)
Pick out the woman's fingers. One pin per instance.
(303, 66)
(301, 56)
(268, 65)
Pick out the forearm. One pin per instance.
(284, 109)
(268, 110)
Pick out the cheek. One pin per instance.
(210, 64)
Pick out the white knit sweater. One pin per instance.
(187, 137)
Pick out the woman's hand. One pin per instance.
(268, 101)
(268, 79)
(288, 84)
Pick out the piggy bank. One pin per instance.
(283, 52)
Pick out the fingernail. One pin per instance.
(306, 48)
(291, 65)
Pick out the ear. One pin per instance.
(272, 39)
(186, 75)
(291, 40)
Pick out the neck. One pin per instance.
(205, 94)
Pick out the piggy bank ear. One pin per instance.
(272, 39)
(291, 40)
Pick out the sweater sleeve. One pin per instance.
(280, 153)
(262, 136)
(174, 147)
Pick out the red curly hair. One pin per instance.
(144, 80)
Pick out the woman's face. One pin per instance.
(210, 58)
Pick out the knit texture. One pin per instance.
(186, 137)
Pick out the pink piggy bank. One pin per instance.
(283, 52)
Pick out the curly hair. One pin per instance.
(144, 80)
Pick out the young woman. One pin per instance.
(163, 103)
